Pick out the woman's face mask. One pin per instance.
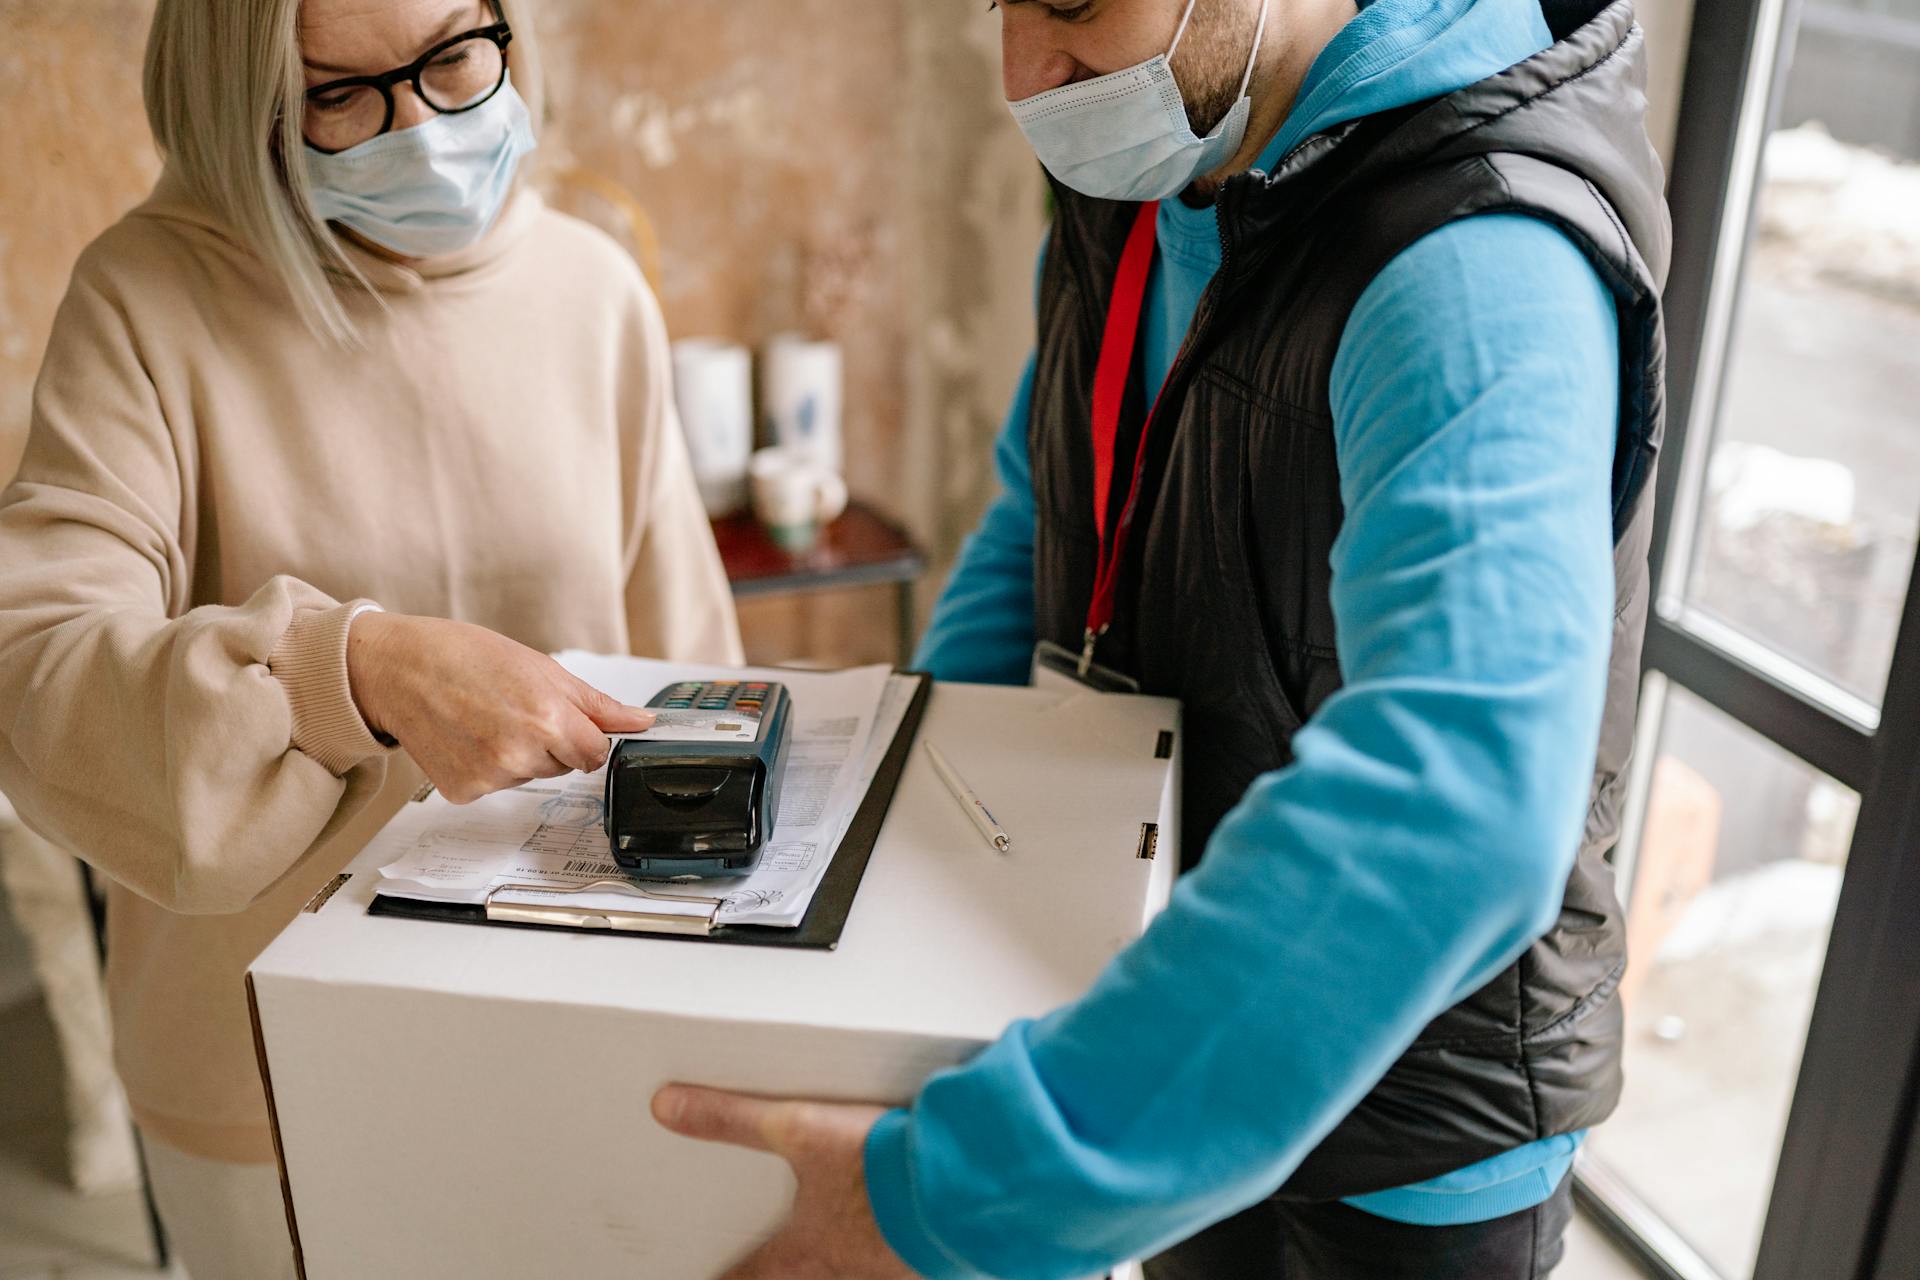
(1125, 136)
(433, 189)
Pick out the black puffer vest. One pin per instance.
(1224, 594)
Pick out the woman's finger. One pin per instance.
(555, 767)
(609, 713)
(580, 744)
(478, 788)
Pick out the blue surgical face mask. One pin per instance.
(429, 190)
(1125, 136)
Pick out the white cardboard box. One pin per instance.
(464, 1101)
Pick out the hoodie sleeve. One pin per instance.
(982, 628)
(193, 754)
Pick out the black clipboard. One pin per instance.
(826, 918)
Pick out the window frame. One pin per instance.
(1846, 1194)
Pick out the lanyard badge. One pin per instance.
(1109, 396)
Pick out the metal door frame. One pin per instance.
(1846, 1196)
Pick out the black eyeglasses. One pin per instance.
(456, 75)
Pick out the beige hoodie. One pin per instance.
(207, 488)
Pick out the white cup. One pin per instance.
(713, 387)
(801, 386)
(793, 495)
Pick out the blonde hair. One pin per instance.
(225, 96)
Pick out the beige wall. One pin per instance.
(1666, 23)
(73, 153)
(857, 177)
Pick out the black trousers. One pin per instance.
(1283, 1240)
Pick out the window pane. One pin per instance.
(1733, 896)
(1806, 536)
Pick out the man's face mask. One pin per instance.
(429, 190)
(1125, 136)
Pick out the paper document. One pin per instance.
(549, 833)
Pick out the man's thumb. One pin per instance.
(714, 1115)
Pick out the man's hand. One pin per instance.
(832, 1234)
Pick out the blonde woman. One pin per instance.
(337, 434)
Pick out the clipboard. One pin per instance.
(818, 930)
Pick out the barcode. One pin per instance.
(592, 866)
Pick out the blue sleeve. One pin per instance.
(982, 628)
(1419, 842)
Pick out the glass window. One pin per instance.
(1806, 535)
(1739, 869)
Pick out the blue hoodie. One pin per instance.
(1423, 835)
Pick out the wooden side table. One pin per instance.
(861, 549)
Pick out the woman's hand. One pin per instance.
(478, 712)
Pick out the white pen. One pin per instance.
(981, 815)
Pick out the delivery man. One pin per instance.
(1339, 429)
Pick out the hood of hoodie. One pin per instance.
(1397, 52)
(1396, 55)
(1586, 88)
(1391, 54)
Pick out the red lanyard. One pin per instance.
(1109, 394)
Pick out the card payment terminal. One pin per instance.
(696, 794)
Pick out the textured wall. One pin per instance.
(849, 172)
(978, 219)
(805, 164)
(74, 152)
(771, 171)
(1668, 25)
